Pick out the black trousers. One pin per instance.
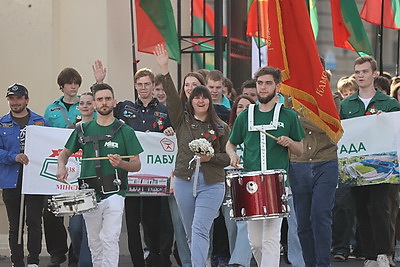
(374, 218)
(34, 211)
(343, 221)
(147, 211)
(55, 235)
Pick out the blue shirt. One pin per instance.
(10, 147)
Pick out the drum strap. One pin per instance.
(95, 140)
(263, 139)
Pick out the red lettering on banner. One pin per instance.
(67, 187)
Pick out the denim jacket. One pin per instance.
(10, 147)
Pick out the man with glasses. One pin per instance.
(146, 114)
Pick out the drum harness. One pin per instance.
(103, 184)
(263, 139)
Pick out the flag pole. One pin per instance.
(398, 53)
(134, 62)
(258, 36)
(381, 40)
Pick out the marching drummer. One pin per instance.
(109, 141)
(268, 131)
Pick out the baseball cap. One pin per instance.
(17, 89)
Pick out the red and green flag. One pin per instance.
(291, 47)
(203, 25)
(257, 21)
(372, 12)
(155, 24)
(348, 30)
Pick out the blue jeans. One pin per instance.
(314, 185)
(79, 240)
(295, 254)
(238, 239)
(198, 213)
(180, 235)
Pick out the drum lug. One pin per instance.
(228, 181)
(240, 180)
(84, 186)
(281, 177)
(243, 212)
(228, 203)
(231, 214)
(265, 210)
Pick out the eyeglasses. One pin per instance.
(142, 85)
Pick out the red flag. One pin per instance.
(292, 48)
(257, 25)
(155, 24)
(372, 11)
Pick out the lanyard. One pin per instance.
(263, 139)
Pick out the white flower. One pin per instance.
(201, 146)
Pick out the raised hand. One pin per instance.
(162, 58)
(99, 71)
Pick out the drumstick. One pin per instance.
(100, 158)
(267, 134)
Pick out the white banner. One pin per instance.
(43, 145)
(369, 150)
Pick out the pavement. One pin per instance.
(125, 261)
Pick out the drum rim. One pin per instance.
(255, 173)
(261, 217)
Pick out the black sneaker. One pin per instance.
(339, 257)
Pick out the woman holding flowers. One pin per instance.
(199, 186)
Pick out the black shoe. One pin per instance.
(340, 257)
(55, 261)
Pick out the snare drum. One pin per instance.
(72, 203)
(258, 195)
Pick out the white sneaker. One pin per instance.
(370, 263)
(33, 265)
(391, 262)
(397, 254)
(382, 260)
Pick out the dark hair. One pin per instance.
(101, 86)
(69, 75)
(196, 75)
(395, 91)
(363, 59)
(382, 83)
(231, 91)
(215, 75)
(232, 114)
(276, 73)
(143, 73)
(248, 84)
(212, 116)
(204, 73)
(158, 79)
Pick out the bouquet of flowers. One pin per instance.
(201, 146)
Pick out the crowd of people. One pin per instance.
(249, 129)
